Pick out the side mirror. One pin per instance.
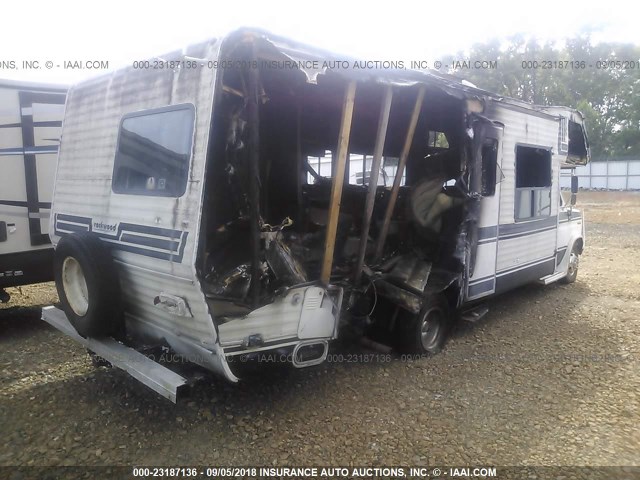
(574, 190)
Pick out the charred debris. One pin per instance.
(367, 180)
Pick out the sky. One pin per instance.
(120, 32)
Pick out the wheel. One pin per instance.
(426, 332)
(87, 284)
(572, 269)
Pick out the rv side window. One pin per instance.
(154, 147)
(533, 183)
(564, 135)
(489, 166)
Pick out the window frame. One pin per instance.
(516, 189)
(563, 136)
(488, 189)
(154, 111)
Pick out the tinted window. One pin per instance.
(153, 153)
(489, 166)
(533, 183)
(533, 167)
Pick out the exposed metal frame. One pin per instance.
(381, 135)
(253, 115)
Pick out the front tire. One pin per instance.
(87, 284)
(572, 268)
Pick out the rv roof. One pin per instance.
(279, 47)
(459, 87)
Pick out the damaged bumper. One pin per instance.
(301, 321)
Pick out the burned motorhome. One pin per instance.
(246, 209)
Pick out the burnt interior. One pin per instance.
(297, 120)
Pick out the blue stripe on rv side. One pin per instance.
(177, 238)
(481, 287)
(509, 270)
(513, 278)
(487, 232)
(527, 227)
(170, 245)
(63, 227)
(524, 266)
(528, 232)
(29, 150)
(128, 237)
(163, 232)
(72, 218)
(144, 251)
(514, 230)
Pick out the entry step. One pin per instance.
(474, 314)
(552, 278)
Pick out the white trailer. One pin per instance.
(212, 207)
(30, 126)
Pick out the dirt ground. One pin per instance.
(550, 377)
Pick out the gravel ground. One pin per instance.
(550, 377)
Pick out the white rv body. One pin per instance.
(84, 201)
(512, 252)
(159, 231)
(134, 225)
(30, 127)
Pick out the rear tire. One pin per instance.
(87, 284)
(427, 332)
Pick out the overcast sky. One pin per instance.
(122, 31)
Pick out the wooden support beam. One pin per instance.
(398, 178)
(338, 181)
(378, 149)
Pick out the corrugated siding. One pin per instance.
(83, 185)
(524, 128)
(539, 130)
(519, 251)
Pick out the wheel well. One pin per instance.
(579, 244)
(452, 295)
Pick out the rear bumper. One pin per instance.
(155, 376)
(301, 322)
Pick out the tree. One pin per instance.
(601, 80)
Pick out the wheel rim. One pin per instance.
(75, 286)
(430, 328)
(573, 264)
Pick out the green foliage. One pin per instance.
(608, 97)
